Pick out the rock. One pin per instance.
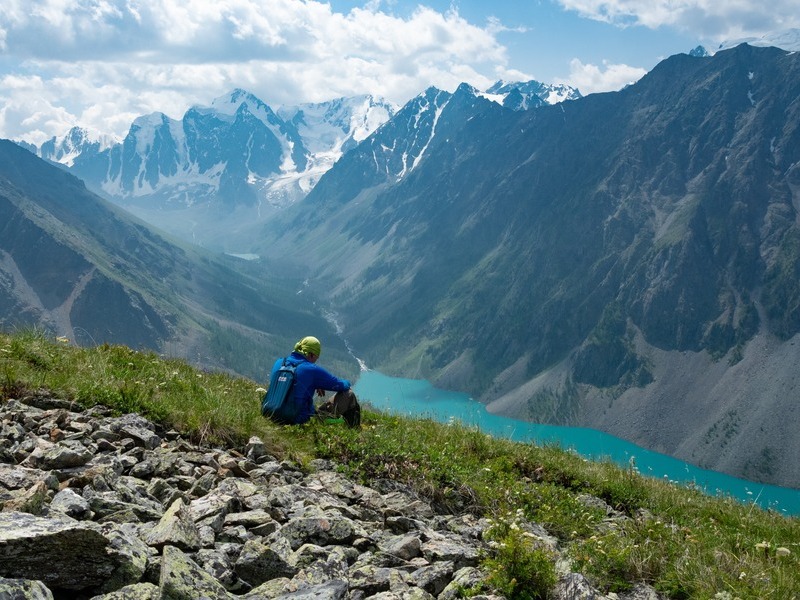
(137, 591)
(176, 528)
(434, 578)
(212, 506)
(24, 589)
(68, 502)
(403, 546)
(464, 579)
(183, 579)
(14, 477)
(274, 588)
(61, 553)
(133, 554)
(259, 563)
(370, 579)
(66, 454)
(30, 501)
(255, 449)
(321, 530)
(642, 591)
(219, 563)
(450, 548)
(406, 504)
(575, 586)
(331, 590)
(136, 428)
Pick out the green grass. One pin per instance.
(684, 543)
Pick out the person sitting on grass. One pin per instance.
(310, 378)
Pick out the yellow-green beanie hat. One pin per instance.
(308, 345)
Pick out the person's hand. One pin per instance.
(321, 393)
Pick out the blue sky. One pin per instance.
(100, 64)
(543, 37)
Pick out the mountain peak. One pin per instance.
(229, 104)
(521, 95)
(153, 119)
(466, 88)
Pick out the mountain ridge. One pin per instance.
(81, 268)
(236, 162)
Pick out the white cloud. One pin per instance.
(706, 19)
(590, 78)
(105, 60)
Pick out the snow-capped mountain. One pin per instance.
(436, 115)
(240, 152)
(221, 170)
(788, 39)
(402, 142)
(77, 141)
(329, 129)
(237, 151)
(522, 95)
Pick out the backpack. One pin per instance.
(343, 407)
(353, 417)
(278, 403)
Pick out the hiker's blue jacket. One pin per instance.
(308, 378)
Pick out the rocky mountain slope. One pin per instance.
(107, 507)
(626, 261)
(79, 267)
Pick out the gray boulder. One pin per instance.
(183, 579)
(24, 589)
(61, 553)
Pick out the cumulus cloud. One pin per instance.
(589, 78)
(101, 63)
(142, 56)
(705, 19)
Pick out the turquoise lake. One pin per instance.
(411, 397)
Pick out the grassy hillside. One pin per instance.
(80, 267)
(682, 542)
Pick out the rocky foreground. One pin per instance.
(104, 507)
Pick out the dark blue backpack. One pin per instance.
(278, 403)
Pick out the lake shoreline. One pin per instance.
(418, 398)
